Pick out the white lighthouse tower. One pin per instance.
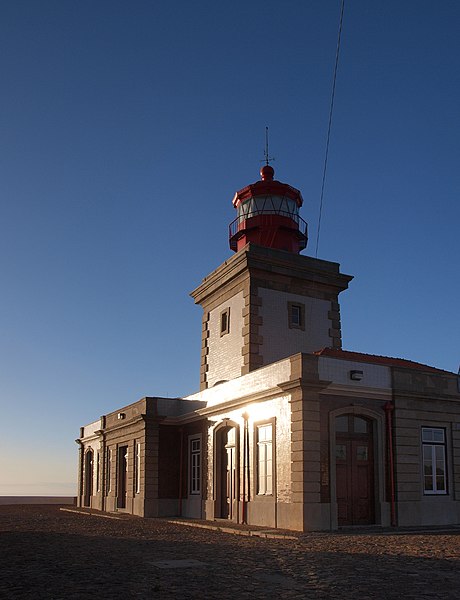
(267, 301)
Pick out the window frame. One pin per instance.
(266, 491)
(137, 467)
(432, 445)
(194, 478)
(292, 308)
(224, 328)
(108, 473)
(98, 470)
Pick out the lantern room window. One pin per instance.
(268, 205)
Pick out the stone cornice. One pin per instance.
(93, 437)
(127, 423)
(312, 385)
(268, 394)
(224, 274)
(185, 419)
(258, 259)
(428, 395)
(297, 265)
(370, 393)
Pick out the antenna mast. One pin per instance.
(267, 158)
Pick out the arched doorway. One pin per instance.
(354, 456)
(88, 478)
(226, 473)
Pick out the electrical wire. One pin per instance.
(329, 127)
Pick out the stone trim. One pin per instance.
(204, 351)
(307, 289)
(208, 305)
(369, 393)
(215, 409)
(377, 416)
(252, 340)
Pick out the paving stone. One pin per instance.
(181, 563)
(49, 554)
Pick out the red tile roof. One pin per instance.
(379, 360)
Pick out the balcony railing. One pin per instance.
(235, 225)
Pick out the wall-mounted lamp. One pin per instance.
(356, 375)
(121, 416)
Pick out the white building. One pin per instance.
(288, 430)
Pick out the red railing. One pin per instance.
(239, 222)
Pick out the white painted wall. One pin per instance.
(88, 430)
(91, 440)
(258, 412)
(338, 372)
(281, 341)
(258, 381)
(225, 358)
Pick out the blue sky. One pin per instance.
(127, 127)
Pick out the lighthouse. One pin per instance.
(268, 215)
(267, 301)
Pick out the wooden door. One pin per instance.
(354, 471)
(88, 475)
(122, 476)
(230, 482)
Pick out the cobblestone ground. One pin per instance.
(47, 553)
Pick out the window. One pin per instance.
(225, 321)
(108, 470)
(98, 471)
(434, 460)
(352, 424)
(296, 315)
(265, 460)
(122, 459)
(137, 467)
(195, 465)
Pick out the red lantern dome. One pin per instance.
(268, 215)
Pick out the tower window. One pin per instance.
(225, 321)
(296, 315)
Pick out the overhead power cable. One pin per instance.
(331, 110)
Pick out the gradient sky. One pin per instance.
(126, 128)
